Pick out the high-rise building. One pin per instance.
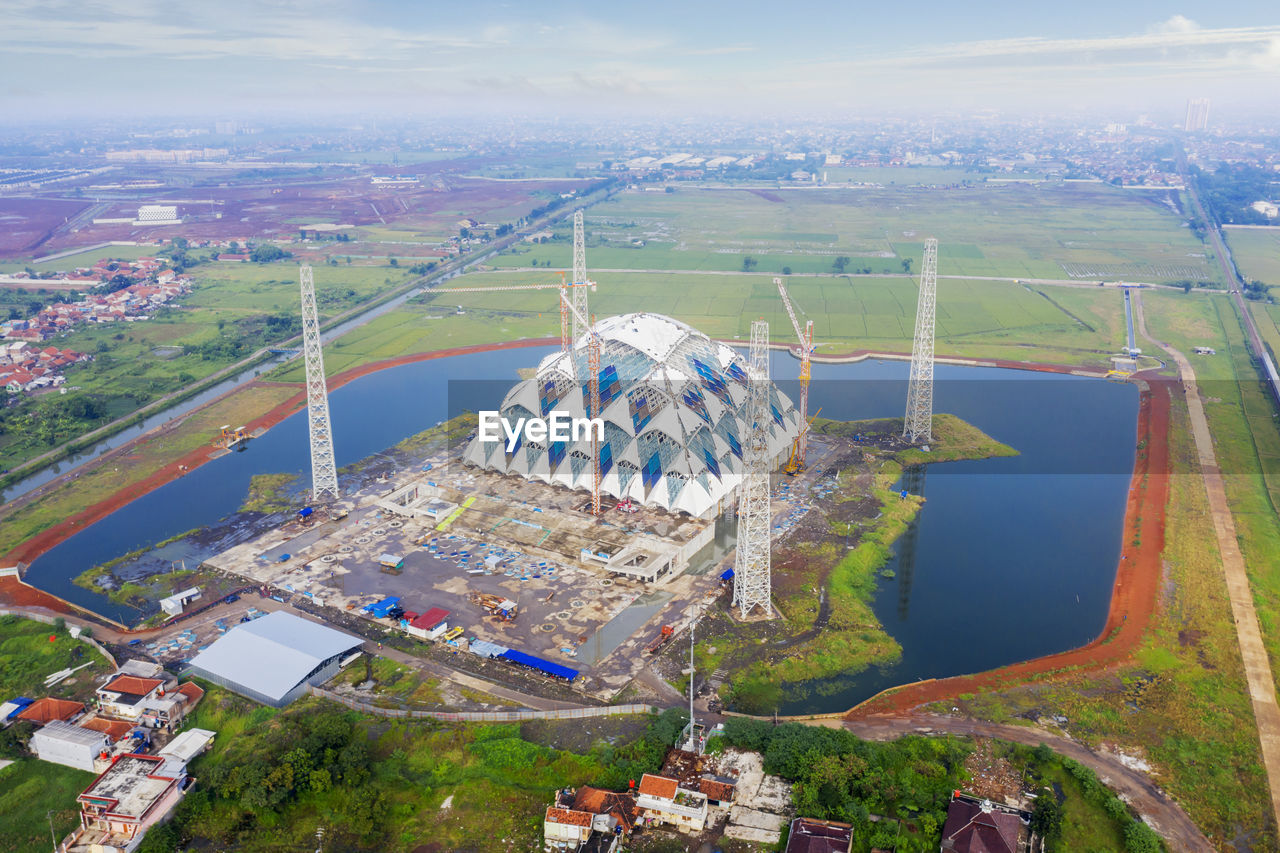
(1197, 114)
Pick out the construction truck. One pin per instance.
(659, 641)
(502, 609)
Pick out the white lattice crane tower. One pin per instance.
(579, 277)
(917, 426)
(801, 445)
(324, 471)
(752, 584)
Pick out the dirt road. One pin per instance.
(1163, 815)
(1257, 666)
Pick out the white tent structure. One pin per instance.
(274, 658)
(673, 403)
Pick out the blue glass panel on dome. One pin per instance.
(736, 373)
(555, 453)
(675, 485)
(641, 413)
(777, 416)
(651, 472)
(549, 396)
(692, 397)
(626, 473)
(513, 451)
(712, 465)
(606, 459)
(610, 386)
(733, 444)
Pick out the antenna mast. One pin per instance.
(324, 472)
(917, 426)
(751, 580)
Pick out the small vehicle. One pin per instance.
(135, 642)
(453, 634)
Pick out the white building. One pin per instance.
(673, 404)
(662, 800)
(72, 746)
(1268, 209)
(157, 214)
(174, 604)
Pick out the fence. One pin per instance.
(485, 716)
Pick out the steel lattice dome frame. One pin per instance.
(673, 402)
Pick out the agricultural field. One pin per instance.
(976, 319)
(1084, 232)
(28, 655)
(1256, 252)
(26, 222)
(233, 310)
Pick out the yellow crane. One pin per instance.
(799, 447)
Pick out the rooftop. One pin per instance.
(48, 709)
(568, 817)
(819, 836)
(273, 655)
(658, 786)
(128, 788)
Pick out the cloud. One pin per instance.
(1176, 24)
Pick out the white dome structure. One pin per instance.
(673, 403)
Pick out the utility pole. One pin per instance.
(917, 426)
(751, 568)
(324, 471)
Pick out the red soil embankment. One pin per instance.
(47, 539)
(1133, 599)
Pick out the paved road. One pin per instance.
(1257, 666)
(1163, 815)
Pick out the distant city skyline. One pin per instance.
(145, 57)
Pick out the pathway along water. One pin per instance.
(1011, 559)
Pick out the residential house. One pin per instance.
(980, 826)
(819, 836)
(72, 746)
(662, 800)
(132, 795)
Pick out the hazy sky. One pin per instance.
(418, 56)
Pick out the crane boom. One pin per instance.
(800, 448)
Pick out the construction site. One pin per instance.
(576, 555)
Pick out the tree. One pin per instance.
(1186, 287)
(786, 270)
(748, 263)
(906, 265)
(1140, 838)
(840, 263)
(268, 253)
(395, 262)
(1046, 819)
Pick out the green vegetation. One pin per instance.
(20, 520)
(233, 310)
(374, 785)
(270, 493)
(33, 793)
(1256, 252)
(908, 783)
(27, 657)
(1015, 230)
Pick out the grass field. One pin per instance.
(27, 657)
(33, 793)
(1257, 253)
(978, 319)
(1089, 231)
(232, 310)
(82, 259)
(19, 522)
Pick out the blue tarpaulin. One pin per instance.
(305, 511)
(549, 667)
(382, 607)
(727, 574)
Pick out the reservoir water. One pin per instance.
(1010, 559)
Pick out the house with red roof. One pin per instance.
(980, 826)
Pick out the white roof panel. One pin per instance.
(272, 655)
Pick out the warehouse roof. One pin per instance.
(67, 733)
(272, 655)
